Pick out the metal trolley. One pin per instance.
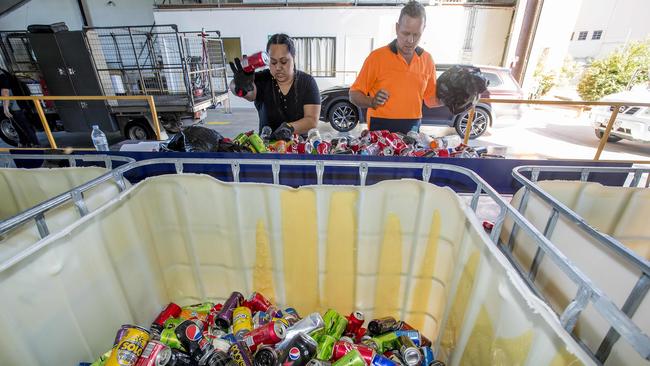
(428, 172)
(631, 177)
(184, 71)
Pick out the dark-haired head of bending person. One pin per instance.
(287, 99)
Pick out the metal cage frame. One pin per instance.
(589, 293)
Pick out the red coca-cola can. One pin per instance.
(419, 153)
(304, 147)
(255, 61)
(354, 145)
(155, 354)
(342, 348)
(268, 334)
(360, 333)
(257, 302)
(355, 321)
(170, 311)
(323, 148)
(443, 153)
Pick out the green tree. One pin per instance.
(623, 67)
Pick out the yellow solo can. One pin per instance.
(242, 321)
(129, 346)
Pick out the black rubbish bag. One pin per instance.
(460, 87)
(201, 139)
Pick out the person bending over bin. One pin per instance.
(287, 100)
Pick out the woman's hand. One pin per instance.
(244, 81)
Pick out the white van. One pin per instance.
(632, 122)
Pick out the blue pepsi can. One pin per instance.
(381, 360)
(429, 357)
(414, 335)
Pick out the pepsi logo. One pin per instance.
(193, 333)
(294, 353)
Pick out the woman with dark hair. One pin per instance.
(286, 99)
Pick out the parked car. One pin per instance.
(632, 123)
(337, 109)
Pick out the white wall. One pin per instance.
(125, 12)
(553, 32)
(43, 12)
(620, 20)
(443, 36)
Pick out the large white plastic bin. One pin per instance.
(623, 213)
(403, 248)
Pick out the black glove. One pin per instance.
(244, 81)
(284, 132)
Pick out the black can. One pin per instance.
(191, 337)
(299, 352)
(383, 325)
(180, 358)
(217, 358)
(240, 354)
(266, 356)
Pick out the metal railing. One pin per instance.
(46, 127)
(9, 160)
(642, 286)
(589, 294)
(615, 110)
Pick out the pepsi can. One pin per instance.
(299, 352)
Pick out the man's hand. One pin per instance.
(380, 98)
(8, 114)
(284, 132)
(244, 81)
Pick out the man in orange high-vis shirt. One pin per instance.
(397, 78)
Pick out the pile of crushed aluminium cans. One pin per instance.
(253, 332)
(373, 143)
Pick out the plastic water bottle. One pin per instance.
(265, 134)
(99, 139)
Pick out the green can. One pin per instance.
(352, 358)
(200, 308)
(329, 318)
(172, 323)
(241, 139)
(338, 328)
(256, 141)
(325, 347)
(168, 334)
(101, 361)
(387, 342)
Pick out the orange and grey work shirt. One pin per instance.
(407, 84)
